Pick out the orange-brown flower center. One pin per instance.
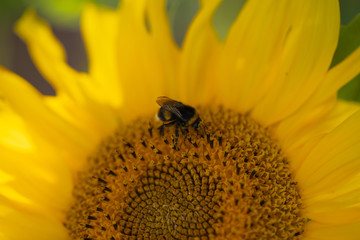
(226, 179)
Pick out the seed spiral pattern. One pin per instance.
(173, 201)
(226, 180)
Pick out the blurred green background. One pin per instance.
(64, 16)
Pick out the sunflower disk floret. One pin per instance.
(226, 179)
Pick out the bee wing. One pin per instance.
(171, 105)
(162, 100)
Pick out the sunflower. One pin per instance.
(256, 145)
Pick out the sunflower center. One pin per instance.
(226, 179)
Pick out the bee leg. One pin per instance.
(185, 132)
(150, 130)
(196, 123)
(176, 137)
(199, 124)
(161, 130)
(203, 129)
(186, 135)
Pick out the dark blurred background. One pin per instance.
(63, 15)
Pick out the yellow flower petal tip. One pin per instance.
(30, 26)
(251, 142)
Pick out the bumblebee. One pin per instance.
(172, 112)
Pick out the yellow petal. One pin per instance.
(342, 199)
(322, 99)
(252, 50)
(273, 62)
(34, 178)
(93, 118)
(41, 119)
(166, 46)
(332, 202)
(199, 58)
(318, 231)
(338, 76)
(336, 217)
(320, 121)
(305, 59)
(49, 57)
(13, 133)
(100, 30)
(334, 160)
(77, 94)
(143, 68)
(31, 167)
(19, 225)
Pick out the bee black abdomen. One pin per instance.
(187, 112)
